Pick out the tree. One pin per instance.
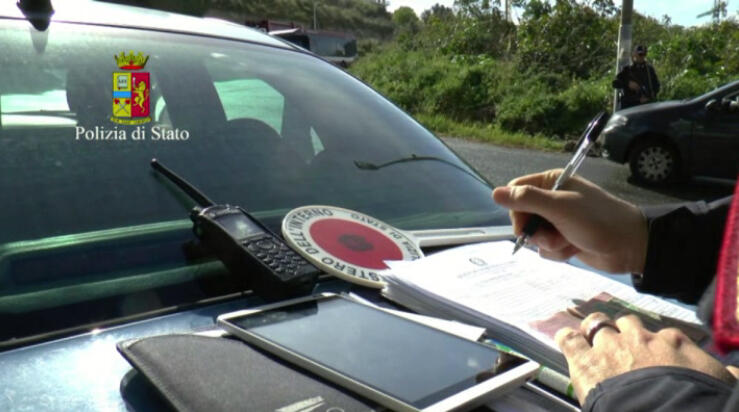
(477, 8)
(406, 24)
(437, 11)
(405, 17)
(567, 38)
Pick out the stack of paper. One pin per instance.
(519, 299)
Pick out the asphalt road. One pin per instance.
(501, 164)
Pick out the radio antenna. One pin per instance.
(183, 184)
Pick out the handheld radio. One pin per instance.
(245, 246)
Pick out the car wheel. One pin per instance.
(653, 162)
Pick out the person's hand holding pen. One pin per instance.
(603, 231)
(587, 140)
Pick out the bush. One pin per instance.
(582, 101)
(560, 112)
(688, 84)
(421, 82)
(566, 38)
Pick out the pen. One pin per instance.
(587, 140)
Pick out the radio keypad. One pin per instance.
(276, 255)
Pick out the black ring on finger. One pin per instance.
(594, 327)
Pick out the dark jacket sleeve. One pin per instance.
(622, 79)
(662, 389)
(683, 248)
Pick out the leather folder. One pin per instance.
(200, 373)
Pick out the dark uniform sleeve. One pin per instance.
(682, 250)
(622, 79)
(682, 253)
(662, 389)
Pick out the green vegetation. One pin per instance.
(470, 73)
(366, 19)
(487, 132)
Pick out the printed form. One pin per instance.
(484, 282)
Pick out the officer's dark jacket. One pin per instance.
(645, 76)
(682, 256)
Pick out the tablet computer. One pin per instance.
(399, 363)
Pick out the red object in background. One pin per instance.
(725, 310)
(140, 91)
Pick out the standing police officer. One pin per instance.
(638, 81)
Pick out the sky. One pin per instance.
(682, 12)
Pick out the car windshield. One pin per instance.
(90, 233)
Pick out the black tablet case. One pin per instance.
(199, 373)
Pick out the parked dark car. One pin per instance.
(675, 139)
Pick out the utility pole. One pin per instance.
(623, 53)
(719, 8)
(315, 20)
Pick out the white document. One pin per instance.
(485, 282)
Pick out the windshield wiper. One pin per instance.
(412, 158)
(461, 236)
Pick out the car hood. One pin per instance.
(85, 372)
(652, 107)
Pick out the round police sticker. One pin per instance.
(347, 244)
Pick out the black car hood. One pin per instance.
(652, 107)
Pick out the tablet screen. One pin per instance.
(406, 360)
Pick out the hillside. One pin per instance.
(364, 18)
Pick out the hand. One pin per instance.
(634, 86)
(601, 230)
(627, 348)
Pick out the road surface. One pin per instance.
(501, 164)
